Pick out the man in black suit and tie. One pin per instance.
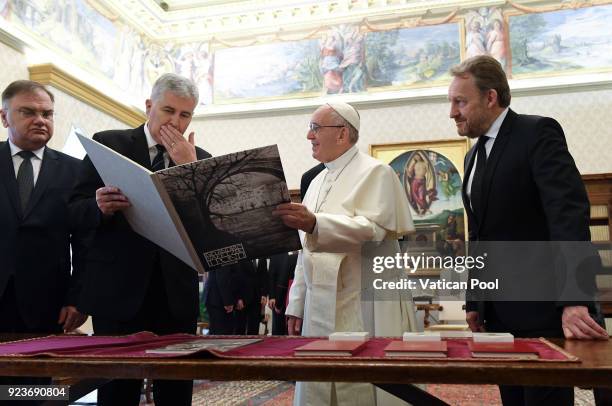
(38, 293)
(133, 284)
(520, 184)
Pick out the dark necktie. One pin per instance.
(158, 161)
(477, 180)
(25, 178)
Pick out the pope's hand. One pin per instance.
(296, 216)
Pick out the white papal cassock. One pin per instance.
(355, 199)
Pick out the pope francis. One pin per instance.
(355, 199)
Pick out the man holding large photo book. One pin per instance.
(131, 283)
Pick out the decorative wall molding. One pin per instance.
(519, 88)
(48, 74)
(12, 41)
(246, 18)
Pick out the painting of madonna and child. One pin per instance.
(431, 174)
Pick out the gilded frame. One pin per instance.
(436, 203)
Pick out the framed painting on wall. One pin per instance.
(278, 70)
(431, 174)
(567, 41)
(412, 57)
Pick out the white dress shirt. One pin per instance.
(492, 134)
(151, 144)
(36, 159)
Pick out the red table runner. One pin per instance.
(275, 347)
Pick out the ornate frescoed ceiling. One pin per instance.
(205, 19)
(267, 54)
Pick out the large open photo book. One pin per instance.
(208, 213)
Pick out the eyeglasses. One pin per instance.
(314, 127)
(29, 113)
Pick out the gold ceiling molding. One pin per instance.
(276, 36)
(102, 9)
(573, 4)
(283, 35)
(246, 18)
(48, 74)
(410, 22)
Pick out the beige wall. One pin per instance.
(71, 111)
(585, 114)
(14, 67)
(68, 109)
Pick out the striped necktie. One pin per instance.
(25, 178)
(158, 161)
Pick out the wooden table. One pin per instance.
(594, 370)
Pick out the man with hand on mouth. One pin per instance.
(132, 284)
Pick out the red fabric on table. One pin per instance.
(136, 345)
(88, 346)
(282, 347)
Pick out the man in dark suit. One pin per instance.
(133, 284)
(282, 267)
(252, 283)
(520, 184)
(308, 176)
(220, 297)
(38, 294)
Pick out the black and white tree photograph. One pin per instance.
(225, 204)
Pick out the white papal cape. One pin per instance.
(355, 199)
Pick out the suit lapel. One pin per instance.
(469, 163)
(140, 149)
(503, 136)
(7, 177)
(48, 172)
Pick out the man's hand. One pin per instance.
(578, 324)
(70, 318)
(296, 216)
(474, 323)
(229, 309)
(181, 150)
(271, 303)
(294, 326)
(240, 304)
(110, 200)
